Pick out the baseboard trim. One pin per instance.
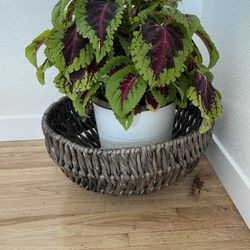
(234, 180)
(15, 128)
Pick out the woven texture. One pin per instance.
(74, 145)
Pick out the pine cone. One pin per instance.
(198, 184)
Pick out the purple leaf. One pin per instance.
(126, 86)
(139, 109)
(165, 42)
(94, 66)
(164, 91)
(205, 90)
(205, 41)
(152, 102)
(191, 65)
(84, 94)
(99, 15)
(77, 76)
(73, 44)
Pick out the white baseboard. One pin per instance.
(15, 128)
(234, 180)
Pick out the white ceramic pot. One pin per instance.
(147, 128)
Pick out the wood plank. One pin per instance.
(41, 209)
(214, 245)
(189, 236)
(218, 245)
(21, 144)
(74, 241)
(127, 222)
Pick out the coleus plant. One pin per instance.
(131, 53)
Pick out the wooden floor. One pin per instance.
(41, 209)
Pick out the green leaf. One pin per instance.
(204, 96)
(164, 95)
(126, 121)
(206, 72)
(77, 103)
(176, 17)
(124, 90)
(58, 14)
(205, 126)
(54, 49)
(125, 44)
(213, 52)
(112, 65)
(143, 16)
(196, 55)
(80, 80)
(180, 90)
(31, 50)
(83, 99)
(107, 23)
(66, 87)
(189, 22)
(85, 58)
(193, 24)
(182, 84)
(41, 71)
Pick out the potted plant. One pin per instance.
(135, 60)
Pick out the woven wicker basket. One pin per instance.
(74, 145)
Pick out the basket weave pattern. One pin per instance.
(74, 145)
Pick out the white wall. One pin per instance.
(191, 7)
(22, 99)
(228, 21)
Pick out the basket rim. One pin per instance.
(48, 131)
